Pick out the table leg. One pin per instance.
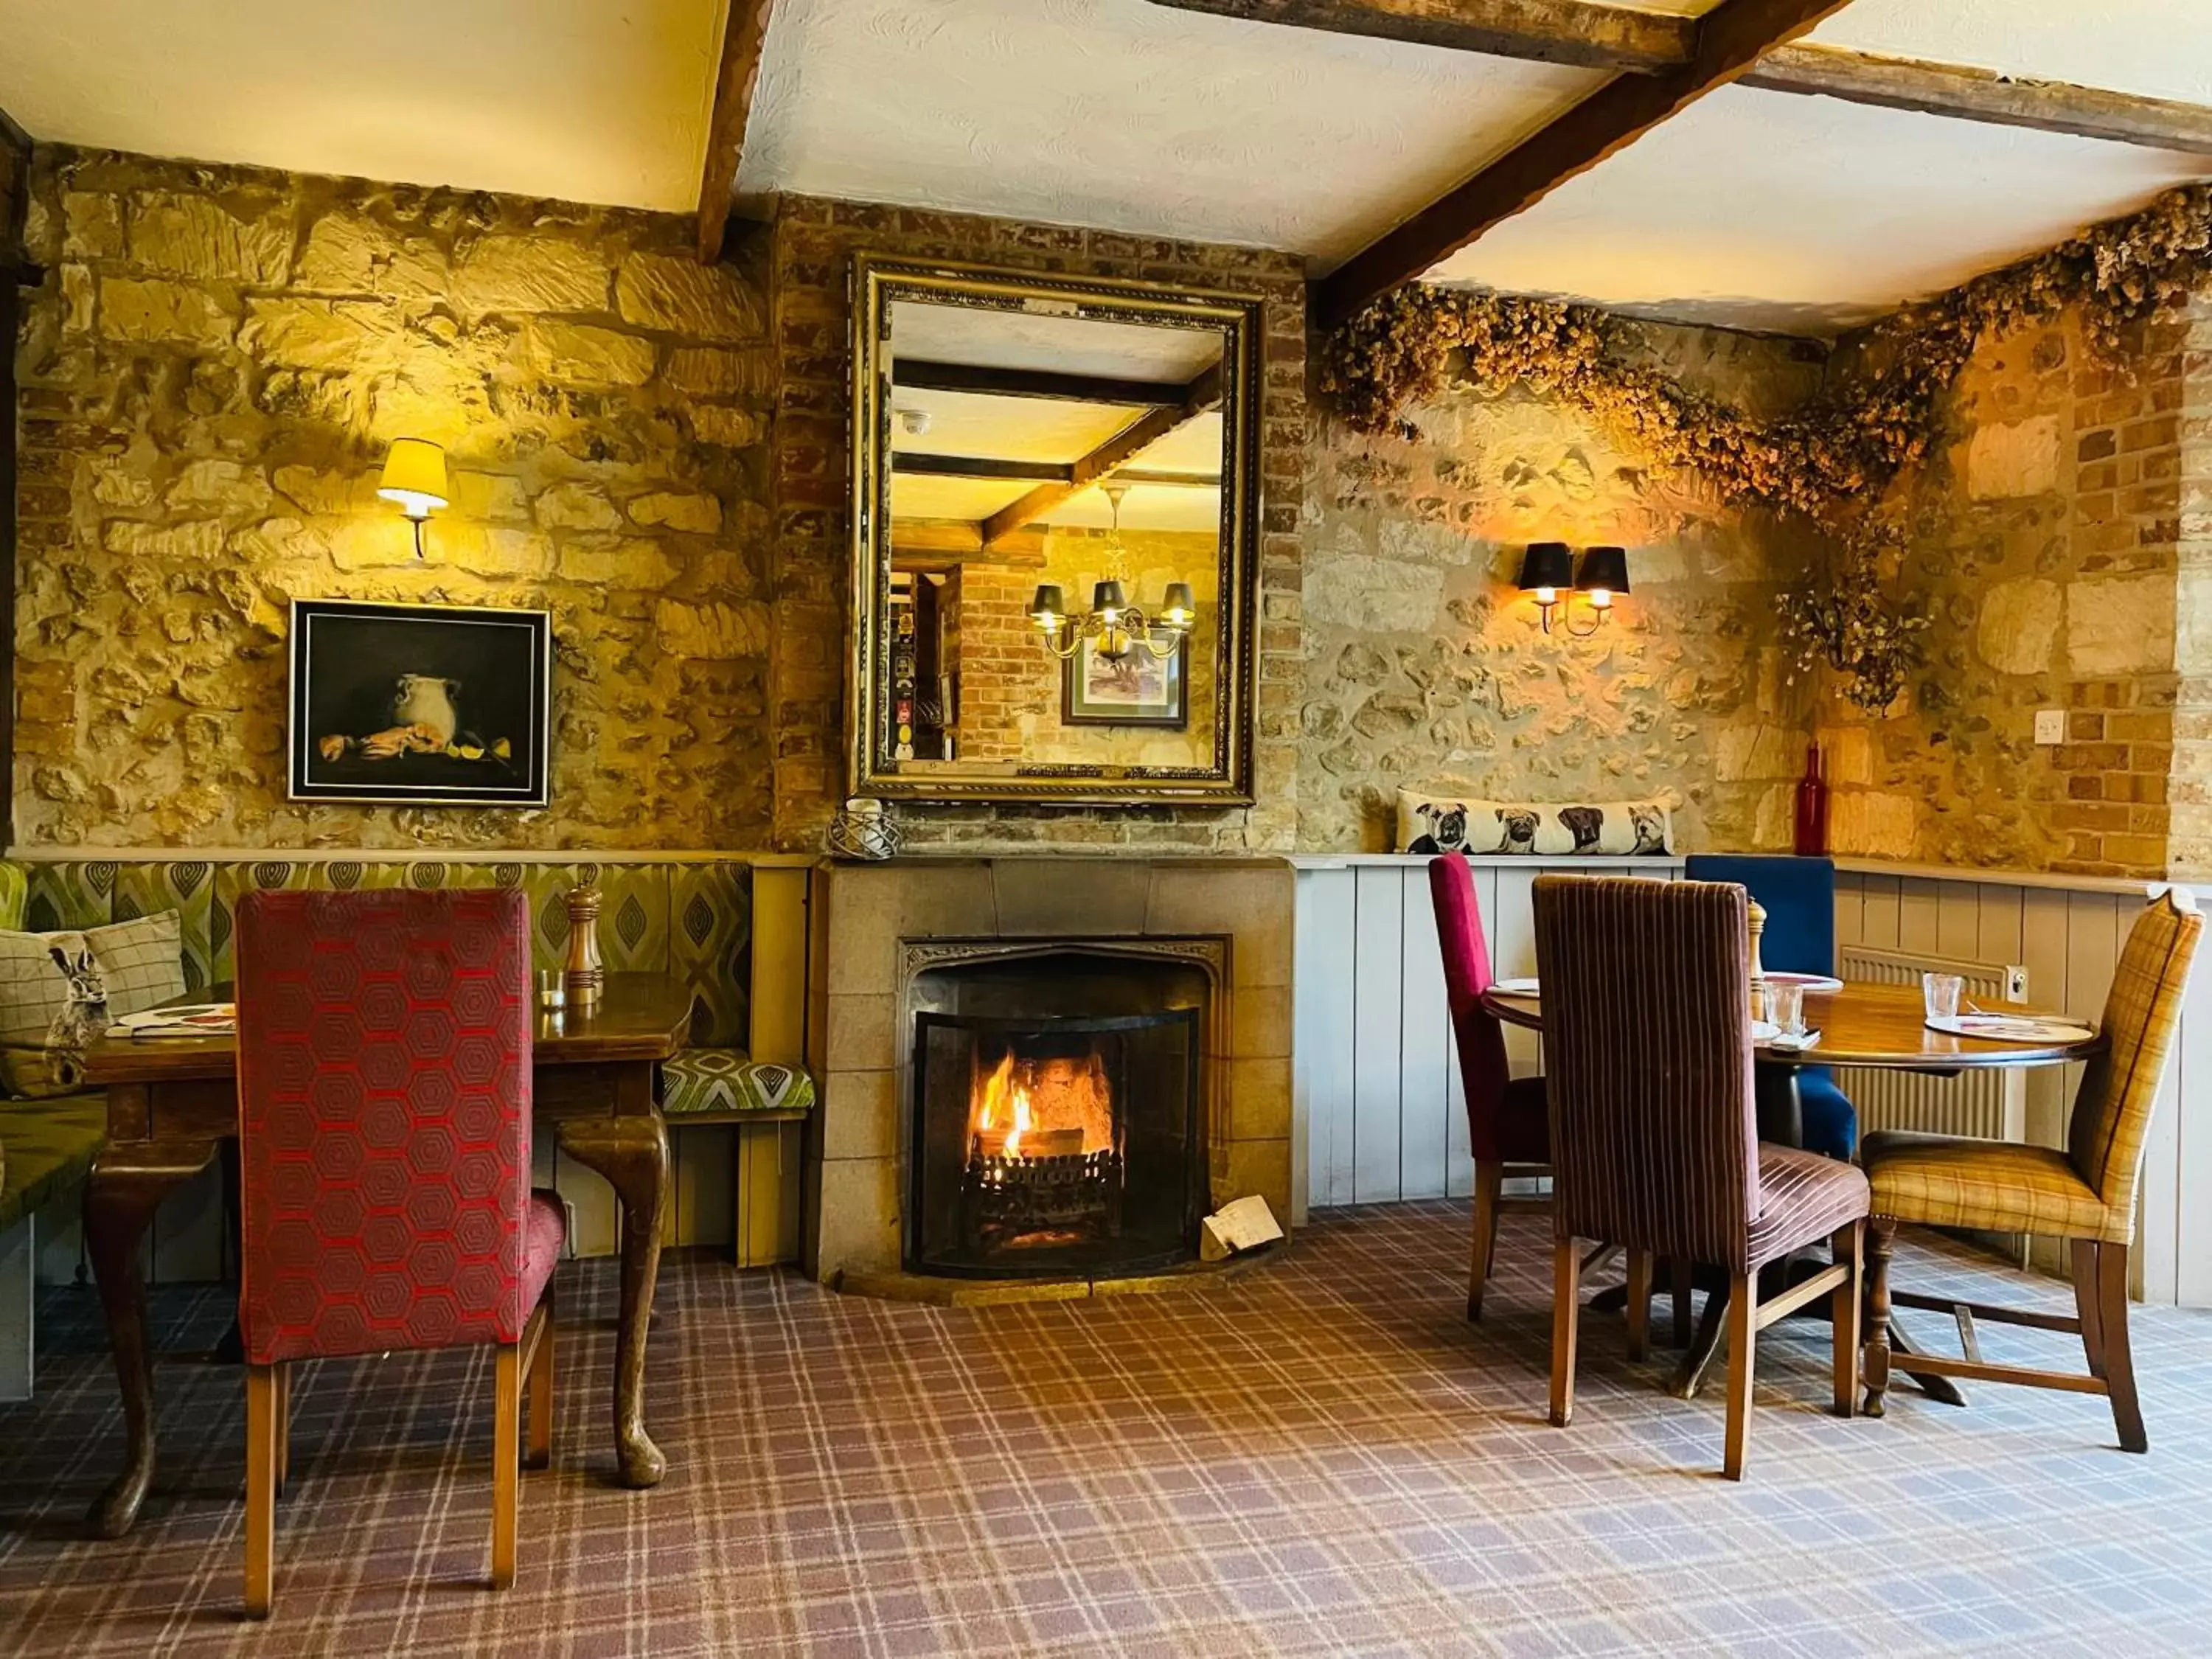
(127, 1184)
(631, 1150)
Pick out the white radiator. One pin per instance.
(1986, 1101)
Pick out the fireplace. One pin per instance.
(1058, 1120)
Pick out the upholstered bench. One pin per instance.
(734, 930)
(46, 1149)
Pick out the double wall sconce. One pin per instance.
(1548, 573)
(415, 477)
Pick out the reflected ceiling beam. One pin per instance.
(1730, 39)
(1203, 394)
(978, 466)
(1590, 34)
(738, 72)
(938, 544)
(914, 374)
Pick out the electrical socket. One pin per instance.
(2016, 983)
(2049, 726)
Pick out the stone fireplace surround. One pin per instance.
(866, 918)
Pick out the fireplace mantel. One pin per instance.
(868, 923)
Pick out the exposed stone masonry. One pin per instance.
(211, 371)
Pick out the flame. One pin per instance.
(1002, 1093)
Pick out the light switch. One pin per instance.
(2049, 726)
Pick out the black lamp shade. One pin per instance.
(1107, 596)
(1546, 564)
(1048, 602)
(1603, 567)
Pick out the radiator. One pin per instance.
(1987, 1101)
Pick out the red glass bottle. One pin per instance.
(1812, 838)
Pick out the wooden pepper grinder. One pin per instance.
(1757, 926)
(587, 978)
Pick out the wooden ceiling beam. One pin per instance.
(1586, 33)
(920, 375)
(735, 77)
(1730, 39)
(916, 463)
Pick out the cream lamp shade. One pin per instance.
(414, 477)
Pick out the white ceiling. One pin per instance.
(590, 101)
(1069, 345)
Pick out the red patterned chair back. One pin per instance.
(1481, 1042)
(1647, 1054)
(384, 1120)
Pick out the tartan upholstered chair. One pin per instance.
(1647, 1040)
(384, 1136)
(1505, 1120)
(2085, 1195)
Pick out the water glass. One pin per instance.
(552, 990)
(1785, 1007)
(1940, 993)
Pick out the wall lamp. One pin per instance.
(414, 477)
(1549, 574)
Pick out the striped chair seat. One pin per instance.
(1995, 1186)
(1803, 1197)
(716, 1082)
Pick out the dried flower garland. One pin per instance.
(1828, 458)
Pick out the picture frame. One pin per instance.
(1142, 689)
(423, 705)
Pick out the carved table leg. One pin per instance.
(128, 1182)
(631, 1150)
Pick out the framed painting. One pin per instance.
(1136, 689)
(419, 704)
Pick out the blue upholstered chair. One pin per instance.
(1799, 896)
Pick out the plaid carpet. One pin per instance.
(1315, 1457)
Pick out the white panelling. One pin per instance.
(1378, 925)
(1425, 1047)
(1322, 1010)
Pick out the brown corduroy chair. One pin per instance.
(2085, 1195)
(1647, 1045)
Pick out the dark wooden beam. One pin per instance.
(1597, 35)
(941, 544)
(1976, 94)
(15, 204)
(1582, 33)
(1203, 393)
(977, 466)
(743, 37)
(919, 375)
(1730, 39)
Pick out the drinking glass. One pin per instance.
(552, 990)
(1940, 992)
(1785, 1007)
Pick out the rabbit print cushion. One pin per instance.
(1618, 829)
(58, 990)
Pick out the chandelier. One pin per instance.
(1118, 626)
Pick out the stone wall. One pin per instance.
(813, 243)
(211, 370)
(1426, 666)
(2045, 538)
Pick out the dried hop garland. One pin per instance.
(1826, 460)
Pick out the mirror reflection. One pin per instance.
(1055, 513)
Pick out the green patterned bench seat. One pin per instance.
(47, 1148)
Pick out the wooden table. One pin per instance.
(1865, 1025)
(172, 1105)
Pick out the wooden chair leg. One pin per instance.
(1881, 1236)
(1488, 1178)
(1567, 1329)
(260, 1486)
(283, 1425)
(2087, 1307)
(2113, 1337)
(1680, 1282)
(1742, 1334)
(1639, 1304)
(1844, 1309)
(540, 1452)
(506, 1461)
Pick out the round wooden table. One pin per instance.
(1865, 1025)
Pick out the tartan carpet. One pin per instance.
(1315, 1457)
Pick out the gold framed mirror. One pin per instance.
(1053, 565)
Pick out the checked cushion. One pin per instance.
(384, 1122)
(696, 1081)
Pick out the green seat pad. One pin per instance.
(700, 1081)
(46, 1147)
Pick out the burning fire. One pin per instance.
(1054, 1108)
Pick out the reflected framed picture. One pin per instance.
(1135, 689)
(419, 704)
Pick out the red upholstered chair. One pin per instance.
(1505, 1123)
(384, 1134)
(1655, 1147)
